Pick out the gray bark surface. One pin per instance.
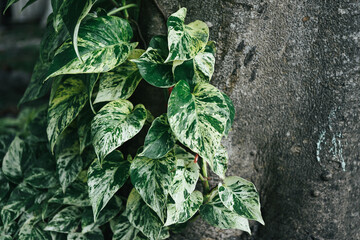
(292, 69)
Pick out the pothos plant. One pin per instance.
(63, 173)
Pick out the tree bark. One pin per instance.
(292, 69)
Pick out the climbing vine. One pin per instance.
(64, 174)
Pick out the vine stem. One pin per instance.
(121, 9)
(205, 175)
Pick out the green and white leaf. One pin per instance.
(41, 178)
(65, 221)
(15, 160)
(142, 216)
(4, 186)
(186, 176)
(30, 230)
(76, 195)
(215, 213)
(123, 230)
(180, 213)
(159, 139)
(114, 124)
(106, 179)
(109, 212)
(121, 82)
(68, 160)
(95, 234)
(100, 52)
(198, 119)
(185, 41)
(152, 178)
(240, 196)
(69, 98)
(151, 64)
(220, 161)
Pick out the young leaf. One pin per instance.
(68, 160)
(180, 213)
(114, 124)
(100, 52)
(186, 176)
(152, 178)
(16, 160)
(65, 221)
(110, 211)
(142, 217)
(215, 213)
(198, 119)
(121, 82)
(70, 97)
(151, 64)
(240, 196)
(106, 179)
(159, 139)
(76, 195)
(185, 41)
(95, 234)
(123, 230)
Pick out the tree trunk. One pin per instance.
(292, 69)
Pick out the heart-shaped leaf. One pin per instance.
(114, 124)
(152, 178)
(198, 119)
(106, 179)
(100, 52)
(69, 98)
(159, 139)
(240, 196)
(215, 213)
(185, 41)
(65, 221)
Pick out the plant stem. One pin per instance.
(125, 11)
(205, 175)
(122, 8)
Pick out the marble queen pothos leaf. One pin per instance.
(121, 82)
(185, 41)
(180, 213)
(198, 119)
(151, 64)
(215, 213)
(69, 98)
(114, 124)
(186, 176)
(143, 217)
(32, 230)
(123, 229)
(152, 178)
(65, 221)
(95, 234)
(240, 196)
(159, 139)
(106, 179)
(76, 195)
(100, 52)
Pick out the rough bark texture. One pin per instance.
(292, 69)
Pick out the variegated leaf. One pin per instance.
(16, 160)
(105, 179)
(151, 64)
(123, 230)
(30, 230)
(4, 186)
(185, 41)
(95, 234)
(220, 161)
(240, 196)
(76, 195)
(113, 207)
(215, 213)
(70, 97)
(65, 221)
(198, 119)
(121, 82)
(180, 213)
(152, 178)
(68, 160)
(49, 210)
(142, 216)
(186, 176)
(41, 178)
(72, 12)
(159, 139)
(100, 52)
(114, 124)
(11, 2)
